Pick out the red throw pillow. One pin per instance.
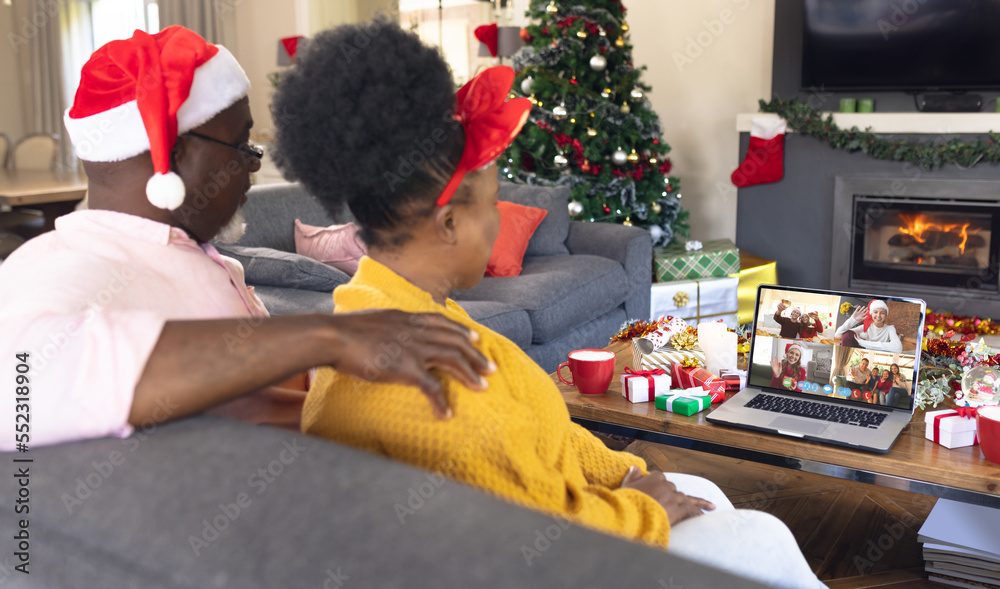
(517, 225)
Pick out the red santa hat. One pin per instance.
(872, 305)
(139, 94)
(796, 347)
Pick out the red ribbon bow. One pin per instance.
(966, 412)
(646, 373)
(490, 122)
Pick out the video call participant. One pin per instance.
(810, 325)
(788, 371)
(790, 326)
(861, 375)
(867, 328)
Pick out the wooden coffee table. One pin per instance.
(914, 464)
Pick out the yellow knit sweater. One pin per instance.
(515, 439)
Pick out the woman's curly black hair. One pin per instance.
(364, 118)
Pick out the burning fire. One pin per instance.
(916, 225)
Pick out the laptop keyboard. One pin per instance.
(822, 411)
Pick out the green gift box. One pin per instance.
(715, 259)
(683, 402)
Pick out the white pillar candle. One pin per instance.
(719, 345)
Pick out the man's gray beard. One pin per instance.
(232, 231)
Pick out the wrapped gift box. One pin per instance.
(734, 378)
(687, 378)
(950, 429)
(754, 271)
(696, 300)
(715, 259)
(663, 357)
(684, 402)
(642, 386)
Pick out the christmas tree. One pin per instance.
(591, 127)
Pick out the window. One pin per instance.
(450, 25)
(118, 19)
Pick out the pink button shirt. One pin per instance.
(87, 303)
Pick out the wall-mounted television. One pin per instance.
(911, 45)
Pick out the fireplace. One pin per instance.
(935, 239)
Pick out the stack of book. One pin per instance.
(962, 545)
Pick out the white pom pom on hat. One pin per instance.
(139, 94)
(165, 190)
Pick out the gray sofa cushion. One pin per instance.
(549, 238)
(271, 211)
(264, 266)
(292, 301)
(559, 293)
(211, 503)
(512, 323)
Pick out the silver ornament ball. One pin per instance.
(526, 85)
(598, 63)
(559, 112)
(575, 208)
(636, 94)
(619, 157)
(655, 233)
(560, 160)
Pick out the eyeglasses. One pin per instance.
(249, 148)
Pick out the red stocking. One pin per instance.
(764, 162)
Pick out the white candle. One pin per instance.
(719, 345)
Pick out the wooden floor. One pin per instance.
(853, 535)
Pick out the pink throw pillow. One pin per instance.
(337, 245)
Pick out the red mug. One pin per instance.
(591, 370)
(988, 430)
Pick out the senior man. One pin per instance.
(125, 314)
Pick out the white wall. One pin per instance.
(259, 25)
(708, 60)
(10, 85)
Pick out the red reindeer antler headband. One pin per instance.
(490, 122)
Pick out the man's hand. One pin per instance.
(678, 506)
(781, 306)
(392, 346)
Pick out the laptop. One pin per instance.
(815, 378)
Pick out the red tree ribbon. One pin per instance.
(487, 35)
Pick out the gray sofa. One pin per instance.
(580, 282)
(208, 502)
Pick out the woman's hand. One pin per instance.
(678, 506)
(859, 313)
(776, 366)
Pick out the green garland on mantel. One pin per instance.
(928, 155)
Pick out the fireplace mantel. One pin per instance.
(902, 122)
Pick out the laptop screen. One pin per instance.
(856, 348)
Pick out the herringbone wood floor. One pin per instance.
(854, 535)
